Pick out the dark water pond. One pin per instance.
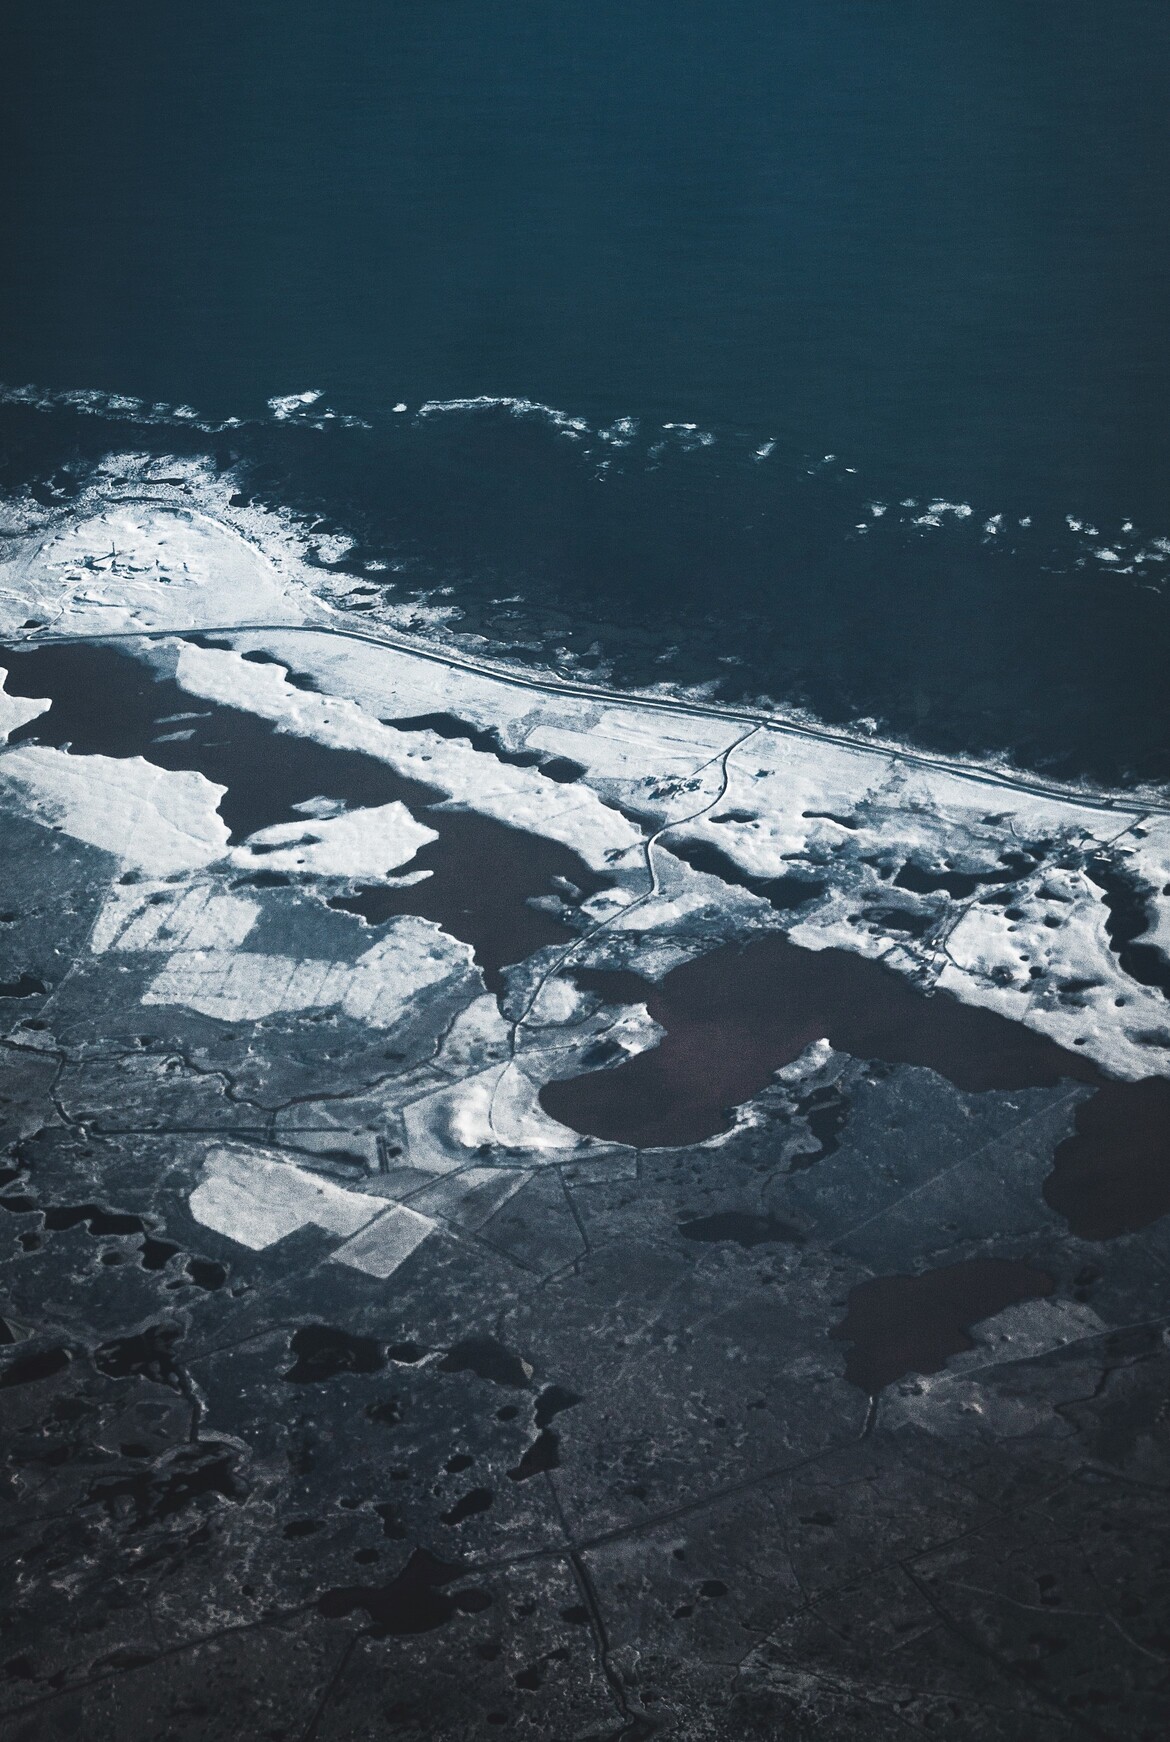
(482, 874)
(1113, 1175)
(733, 1017)
(912, 1324)
(417, 1600)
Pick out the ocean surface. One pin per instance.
(813, 352)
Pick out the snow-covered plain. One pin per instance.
(964, 878)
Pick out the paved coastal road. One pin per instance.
(1124, 804)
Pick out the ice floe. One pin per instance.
(17, 711)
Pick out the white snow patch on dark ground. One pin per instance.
(772, 800)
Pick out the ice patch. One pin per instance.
(386, 1242)
(377, 989)
(333, 548)
(134, 567)
(991, 958)
(161, 917)
(469, 1199)
(17, 711)
(519, 796)
(366, 844)
(493, 1111)
(150, 819)
(257, 1201)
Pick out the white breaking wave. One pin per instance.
(288, 404)
(689, 435)
(302, 408)
(560, 420)
(1122, 550)
(124, 407)
(160, 413)
(621, 432)
(936, 510)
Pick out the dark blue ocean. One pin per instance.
(847, 319)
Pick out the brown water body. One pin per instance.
(1113, 1175)
(912, 1324)
(735, 1016)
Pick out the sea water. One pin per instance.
(807, 353)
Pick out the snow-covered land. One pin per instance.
(701, 826)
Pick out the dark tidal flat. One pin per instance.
(584, 872)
